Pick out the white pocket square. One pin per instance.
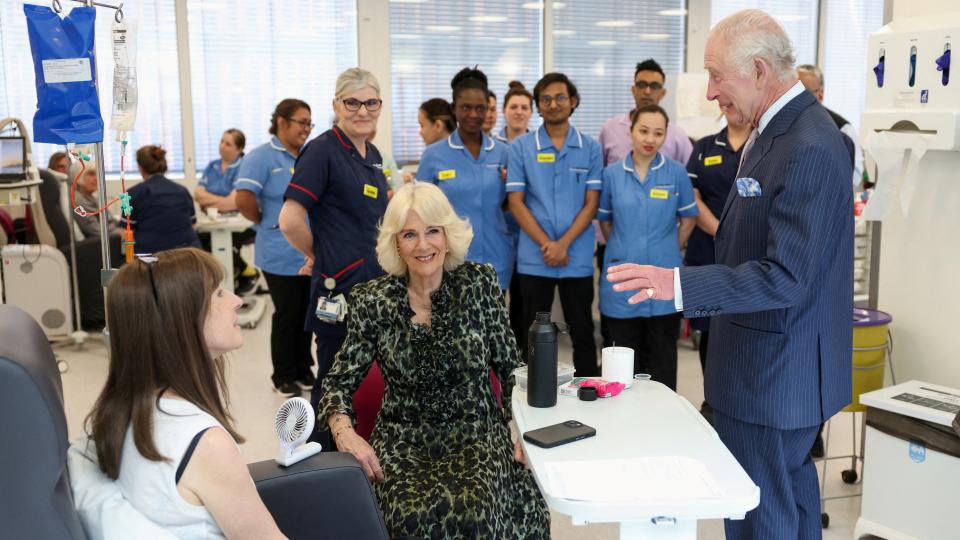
(748, 187)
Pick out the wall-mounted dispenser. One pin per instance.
(911, 106)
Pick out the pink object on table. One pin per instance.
(604, 388)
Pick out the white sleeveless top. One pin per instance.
(151, 487)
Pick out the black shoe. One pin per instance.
(307, 380)
(246, 284)
(817, 450)
(288, 389)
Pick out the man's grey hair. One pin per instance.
(752, 34)
(355, 79)
(813, 70)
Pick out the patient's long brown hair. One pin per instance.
(155, 313)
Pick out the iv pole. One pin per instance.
(106, 271)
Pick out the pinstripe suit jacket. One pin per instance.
(781, 295)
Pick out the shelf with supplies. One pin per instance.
(862, 248)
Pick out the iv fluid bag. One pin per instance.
(124, 37)
(68, 108)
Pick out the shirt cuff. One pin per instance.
(677, 292)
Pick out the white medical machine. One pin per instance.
(912, 466)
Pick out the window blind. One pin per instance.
(248, 55)
(158, 113)
(598, 45)
(430, 41)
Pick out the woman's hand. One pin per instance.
(307, 268)
(519, 455)
(349, 441)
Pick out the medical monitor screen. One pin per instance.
(13, 158)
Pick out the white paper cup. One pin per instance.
(617, 365)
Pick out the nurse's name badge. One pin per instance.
(448, 174)
(546, 157)
(331, 310)
(659, 193)
(370, 191)
(330, 283)
(713, 160)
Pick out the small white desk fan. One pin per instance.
(294, 425)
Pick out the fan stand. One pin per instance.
(291, 453)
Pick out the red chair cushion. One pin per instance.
(369, 397)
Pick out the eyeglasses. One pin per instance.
(303, 123)
(467, 109)
(149, 259)
(353, 105)
(560, 99)
(653, 86)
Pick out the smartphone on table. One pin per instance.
(557, 434)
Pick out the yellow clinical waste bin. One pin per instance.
(871, 342)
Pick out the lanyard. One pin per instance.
(346, 269)
(330, 282)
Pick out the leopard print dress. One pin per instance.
(441, 437)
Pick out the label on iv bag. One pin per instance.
(67, 70)
(124, 115)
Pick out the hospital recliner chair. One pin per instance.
(325, 496)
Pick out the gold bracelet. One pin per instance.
(340, 417)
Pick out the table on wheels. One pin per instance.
(645, 421)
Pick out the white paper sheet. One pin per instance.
(898, 156)
(658, 478)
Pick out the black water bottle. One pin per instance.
(542, 362)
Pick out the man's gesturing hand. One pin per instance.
(652, 282)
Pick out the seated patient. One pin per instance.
(86, 196)
(441, 454)
(160, 425)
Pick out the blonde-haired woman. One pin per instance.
(440, 454)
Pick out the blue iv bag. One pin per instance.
(68, 108)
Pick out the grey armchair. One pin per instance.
(325, 496)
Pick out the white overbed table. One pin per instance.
(645, 421)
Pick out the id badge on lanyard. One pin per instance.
(333, 309)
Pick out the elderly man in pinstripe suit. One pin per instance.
(779, 358)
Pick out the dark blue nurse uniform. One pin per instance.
(345, 196)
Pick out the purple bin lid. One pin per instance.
(870, 317)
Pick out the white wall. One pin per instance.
(373, 34)
(913, 8)
(920, 258)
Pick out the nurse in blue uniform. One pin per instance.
(643, 197)
(332, 208)
(215, 188)
(262, 180)
(517, 110)
(554, 178)
(470, 168)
